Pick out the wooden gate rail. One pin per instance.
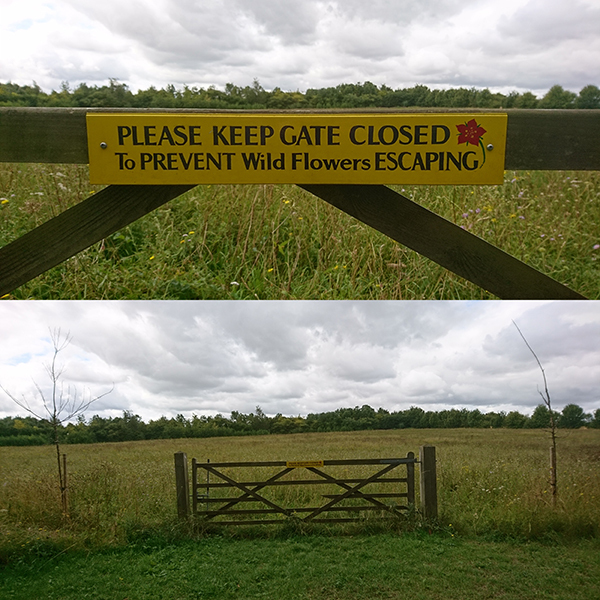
(225, 510)
(536, 139)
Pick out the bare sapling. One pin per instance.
(553, 425)
(60, 405)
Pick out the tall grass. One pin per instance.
(490, 483)
(276, 242)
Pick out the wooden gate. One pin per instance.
(219, 497)
(536, 139)
(251, 493)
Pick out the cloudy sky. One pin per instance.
(510, 45)
(300, 357)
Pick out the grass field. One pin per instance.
(498, 535)
(279, 242)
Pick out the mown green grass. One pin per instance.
(279, 242)
(415, 567)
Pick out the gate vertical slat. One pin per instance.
(410, 481)
(194, 486)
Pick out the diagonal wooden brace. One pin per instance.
(77, 228)
(350, 491)
(248, 492)
(443, 242)
(362, 495)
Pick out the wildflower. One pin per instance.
(152, 257)
(270, 270)
(595, 246)
(3, 200)
(234, 283)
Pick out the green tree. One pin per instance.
(573, 417)
(540, 419)
(515, 420)
(557, 97)
(589, 97)
(526, 100)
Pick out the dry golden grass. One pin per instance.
(489, 481)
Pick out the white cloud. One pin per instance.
(295, 358)
(518, 44)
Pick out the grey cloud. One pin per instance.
(549, 332)
(291, 22)
(546, 24)
(403, 11)
(359, 363)
(300, 357)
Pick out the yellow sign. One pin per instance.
(304, 463)
(374, 148)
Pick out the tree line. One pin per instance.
(348, 95)
(25, 431)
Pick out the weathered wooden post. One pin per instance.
(182, 485)
(428, 482)
(410, 481)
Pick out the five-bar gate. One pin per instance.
(270, 492)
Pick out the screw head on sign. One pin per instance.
(103, 145)
(490, 146)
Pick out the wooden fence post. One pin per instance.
(428, 482)
(182, 485)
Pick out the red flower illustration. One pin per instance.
(470, 133)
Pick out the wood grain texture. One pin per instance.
(43, 135)
(553, 140)
(443, 242)
(536, 139)
(78, 228)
